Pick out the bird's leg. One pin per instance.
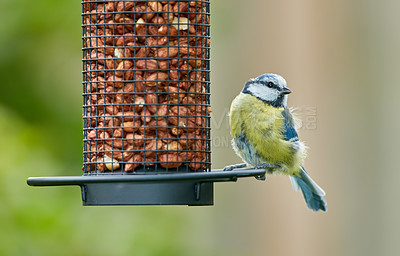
(234, 166)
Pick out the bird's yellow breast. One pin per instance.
(262, 125)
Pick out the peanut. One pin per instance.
(128, 126)
(152, 80)
(180, 23)
(170, 52)
(146, 64)
(170, 160)
(145, 116)
(92, 134)
(110, 163)
(133, 162)
(172, 146)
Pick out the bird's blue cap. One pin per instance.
(276, 79)
(265, 77)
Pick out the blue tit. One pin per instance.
(264, 135)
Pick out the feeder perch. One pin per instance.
(146, 105)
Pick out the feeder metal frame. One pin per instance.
(148, 189)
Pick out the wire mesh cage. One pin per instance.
(146, 86)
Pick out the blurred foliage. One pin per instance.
(41, 135)
(40, 64)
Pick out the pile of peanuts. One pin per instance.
(146, 85)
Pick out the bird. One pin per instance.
(263, 134)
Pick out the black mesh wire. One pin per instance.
(146, 95)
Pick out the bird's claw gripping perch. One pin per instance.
(259, 166)
(265, 166)
(234, 166)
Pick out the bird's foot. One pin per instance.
(265, 166)
(234, 166)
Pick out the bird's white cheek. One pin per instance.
(264, 93)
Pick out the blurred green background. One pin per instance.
(341, 59)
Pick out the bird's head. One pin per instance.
(270, 88)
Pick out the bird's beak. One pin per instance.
(286, 91)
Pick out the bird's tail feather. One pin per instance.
(313, 194)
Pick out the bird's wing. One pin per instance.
(289, 131)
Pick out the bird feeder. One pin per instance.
(146, 105)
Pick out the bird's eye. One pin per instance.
(270, 84)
